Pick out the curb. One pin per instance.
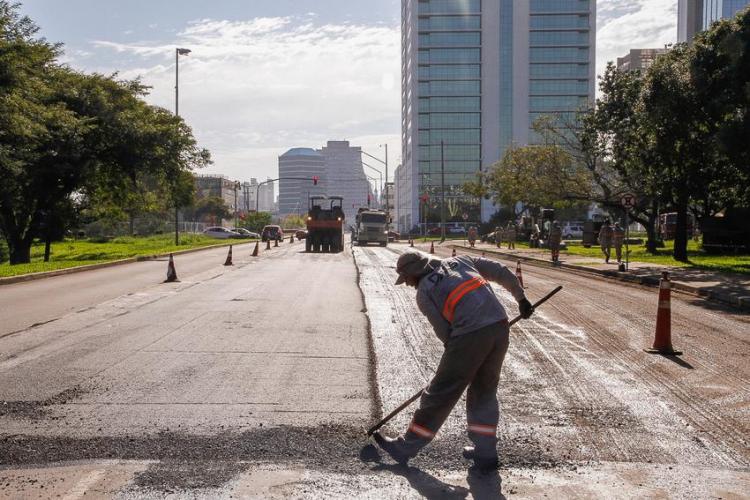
(90, 267)
(740, 302)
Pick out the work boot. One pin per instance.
(487, 463)
(396, 448)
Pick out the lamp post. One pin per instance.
(236, 187)
(380, 173)
(387, 206)
(177, 53)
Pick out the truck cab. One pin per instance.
(371, 226)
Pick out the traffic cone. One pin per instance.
(483, 254)
(171, 271)
(454, 253)
(519, 274)
(432, 247)
(268, 244)
(411, 242)
(663, 335)
(228, 262)
(255, 252)
(276, 243)
(291, 239)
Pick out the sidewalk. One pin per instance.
(732, 289)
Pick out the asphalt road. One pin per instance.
(41, 301)
(258, 380)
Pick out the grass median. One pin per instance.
(73, 253)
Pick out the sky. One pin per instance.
(268, 75)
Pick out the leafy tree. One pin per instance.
(64, 135)
(254, 221)
(293, 222)
(211, 209)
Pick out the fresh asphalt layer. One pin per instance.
(258, 380)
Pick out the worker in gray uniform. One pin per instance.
(456, 297)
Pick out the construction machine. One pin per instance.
(325, 224)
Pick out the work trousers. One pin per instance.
(471, 360)
(606, 249)
(618, 252)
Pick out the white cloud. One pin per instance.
(633, 24)
(253, 89)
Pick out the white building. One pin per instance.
(297, 168)
(345, 176)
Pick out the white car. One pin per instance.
(571, 231)
(221, 233)
(245, 233)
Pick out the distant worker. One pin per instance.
(554, 239)
(498, 236)
(618, 238)
(605, 239)
(536, 235)
(510, 234)
(455, 296)
(472, 236)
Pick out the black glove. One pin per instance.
(525, 308)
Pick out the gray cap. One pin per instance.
(412, 263)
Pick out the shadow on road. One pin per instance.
(425, 484)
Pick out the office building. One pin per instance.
(267, 196)
(694, 16)
(297, 167)
(475, 76)
(345, 176)
(638, 59)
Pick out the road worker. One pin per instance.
(510, 234)
(554, 240)
(618, 238)
(605, 239)
(455, 296)
(498, 236)
(472, 236)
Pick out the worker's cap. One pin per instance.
(412, 263)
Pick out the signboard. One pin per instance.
(628, 200)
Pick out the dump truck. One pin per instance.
(371, 226)
(325, 224)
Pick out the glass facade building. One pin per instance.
(475, 75)
(694, 16)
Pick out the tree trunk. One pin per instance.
(651, 229)
(20, 251)
(680, 237)
(47, 245)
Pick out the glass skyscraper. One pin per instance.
(694, 16)
(475, 75)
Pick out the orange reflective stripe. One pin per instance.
(421, 431)
(449, 308)
(485, 430)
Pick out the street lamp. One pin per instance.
(380, 173)
(236, 187)
(178, 52)
(387, 205)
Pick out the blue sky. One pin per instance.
(268, 75)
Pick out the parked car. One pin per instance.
(572, 230)
(449, 231)
(221, 233)
(272, 233)
(300, 234)
(245, 233)
(393, 236)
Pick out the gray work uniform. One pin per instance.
(467, 316)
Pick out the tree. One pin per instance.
(293, 222)
(212, 208)
(255, 221)
(534, 176)
(64, 134)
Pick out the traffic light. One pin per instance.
(315, 180)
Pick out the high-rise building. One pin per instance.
(338, 168)
(297, 167)
(638, 59)
(345, 176)
(694, 16)
(267, 196)
(475, 76)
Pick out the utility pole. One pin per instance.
(177, 53)
(387, 203)
(442, 191)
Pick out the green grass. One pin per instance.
(72, 253)
(697, 258)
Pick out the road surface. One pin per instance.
(257, 380)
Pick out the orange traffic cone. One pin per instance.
(411, 242)
(228, 262)
(432, 247)
(276, 243)
(454, 253)
(663, 335)
(268, 244)
(171, 271)
(483, 254)
(519, 274)
(291, 239)
(255, 252)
